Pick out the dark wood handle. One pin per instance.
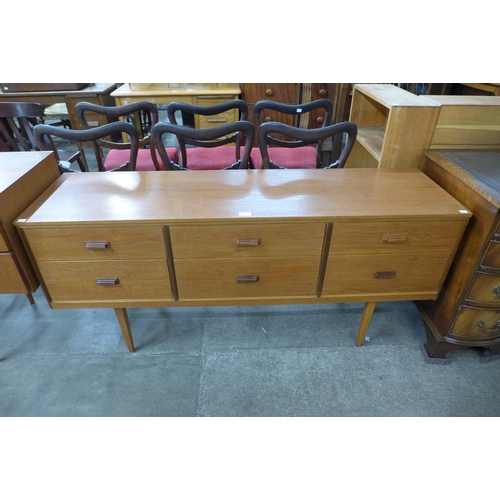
(107, 281)
(269, 92)
(383, 275)
(322, 92)
(394, 238)
(249, 278)
(319, 119)
(247, 242)
(97, 245)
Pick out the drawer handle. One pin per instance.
(481, 326)
(394, 238)
(249, 278)
(496, 290)
(247, 242)
(217, 120)
(107, 281)
(97, 245)
(382, 275)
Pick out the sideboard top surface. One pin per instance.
(13, 165)
(240, 195)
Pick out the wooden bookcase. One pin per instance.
(394, 127)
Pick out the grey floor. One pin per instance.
(232, 362)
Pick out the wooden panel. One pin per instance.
(10, 279)
(215, 120)
(222, 240)
(145, 242)
(138, 280)
(356, 274)
(3, 244)
(216, 278)
(395, 236)
(287, 93)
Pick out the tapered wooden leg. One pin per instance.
(365, 321)
(122, 316)
(30, 298)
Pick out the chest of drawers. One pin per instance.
(160, 239)
(467, 313)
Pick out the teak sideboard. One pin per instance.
(242, 237)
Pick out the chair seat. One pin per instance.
(117, 157)
(217, 158)
(304, 157)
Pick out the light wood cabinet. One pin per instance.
(242, 237)
(23, 177)
(467, 313)
(394, 127)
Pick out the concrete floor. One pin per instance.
(232, 361)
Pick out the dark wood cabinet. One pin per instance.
(467, 312)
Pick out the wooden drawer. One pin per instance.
(492, 256)
(136, 280)
(247, 240)
(158, 99)
(394, 237)
(215, 120)
(476, 323)
(485, 288)
(218, 278)
(10, 279)
(390, 273)
(100, 243)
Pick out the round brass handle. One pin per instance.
(269, 92)
(322, 92)
(268, 118)
(319, 119)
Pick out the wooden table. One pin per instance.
(97, 93)
(23, 178)
(200, 94)
(242, 237)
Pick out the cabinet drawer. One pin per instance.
(136, 280)
(492, 256)
(477, 323)
(485, 288)
(247, 240)
(394, 236)
(247, 277)
(10, 279)
(97, 243)
(215, 120)
(392, 273)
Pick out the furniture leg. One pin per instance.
(121, 314)
(30, 298)
(365, 321)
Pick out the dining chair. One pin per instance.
(300, 138)
(17, 120)
(204, 142)
(95, 137)
(197, 153)
(285, 153)
(143, 115)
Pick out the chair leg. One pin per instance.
(30, 298)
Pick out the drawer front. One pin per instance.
(247, 240)
(135, 280)
(158, 99)
(216, 120)
(477, 323)
(394, 236)
(97, 243)
(361, 274)
(492, 256)
(10, 279)
(485, 288)
(246, 277)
